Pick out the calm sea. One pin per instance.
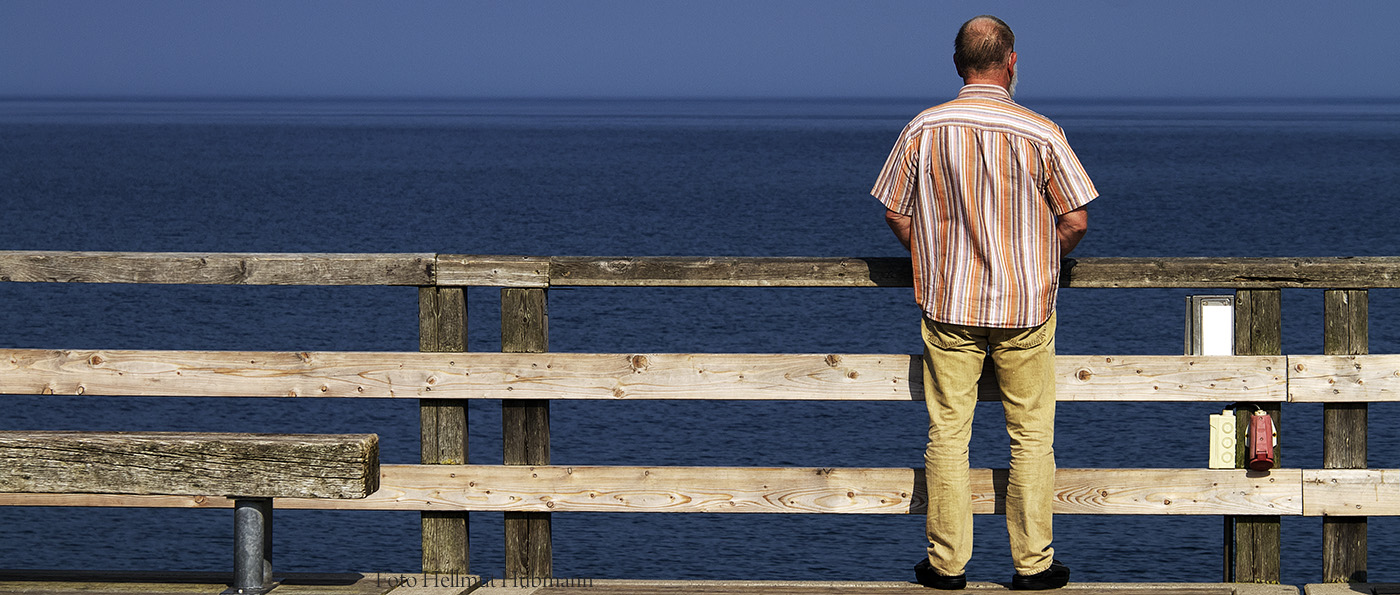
(633, 178)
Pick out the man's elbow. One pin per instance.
(1075, 223)
(900, 224)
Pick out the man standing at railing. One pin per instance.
(988, 197)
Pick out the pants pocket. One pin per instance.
(1030, 338)
(945, 336)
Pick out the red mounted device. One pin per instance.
(1261, 441)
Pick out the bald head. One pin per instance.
(983, 43)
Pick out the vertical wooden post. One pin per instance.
(1258, 331)
(1344, 332)
(525, 431)
(442, 326)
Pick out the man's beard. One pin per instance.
(1012, 90)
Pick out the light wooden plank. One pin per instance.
(1343, 378)
(1169, 378)
(185, 463)
(1351, 492)
(855, 377)
(494, 271)
(216, 268)
(766, 490)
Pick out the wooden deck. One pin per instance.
(211, 583)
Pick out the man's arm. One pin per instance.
(900, 224)
(1070, 227)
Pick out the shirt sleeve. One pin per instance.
(898, 180)
(1068, 186)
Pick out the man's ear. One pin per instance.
(957, 67)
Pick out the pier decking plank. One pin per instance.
(206, 583)
(86, 582)
(643, 587)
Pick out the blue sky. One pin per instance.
(661, 48)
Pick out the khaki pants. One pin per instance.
(1024, 359)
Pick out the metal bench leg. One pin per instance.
(252, 546)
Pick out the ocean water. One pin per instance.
(664, 177)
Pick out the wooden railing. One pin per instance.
(526, 378)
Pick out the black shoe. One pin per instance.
(928, 577)
(1054, 577)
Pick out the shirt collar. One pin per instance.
(989, 91)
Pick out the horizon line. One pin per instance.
(666, 98)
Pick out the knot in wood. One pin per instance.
(95, 360)
(1084, 374)
(639, 363)
(833, 360)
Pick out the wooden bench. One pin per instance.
(252, 469)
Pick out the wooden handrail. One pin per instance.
(572, 271)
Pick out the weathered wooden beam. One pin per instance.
(1258, 331)
(1237, 273)
(605, 376)
(216, 268)
(1343, 379)
(492, 271)
(1344, 332)
(528, 271)
(525, 432)
(442, 327)
(1225, 273)
(190, 464)
(769, 490)
(662, 271)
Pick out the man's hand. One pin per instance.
(900, 224)
(1070, 227)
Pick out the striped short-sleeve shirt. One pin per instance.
(984, 180)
